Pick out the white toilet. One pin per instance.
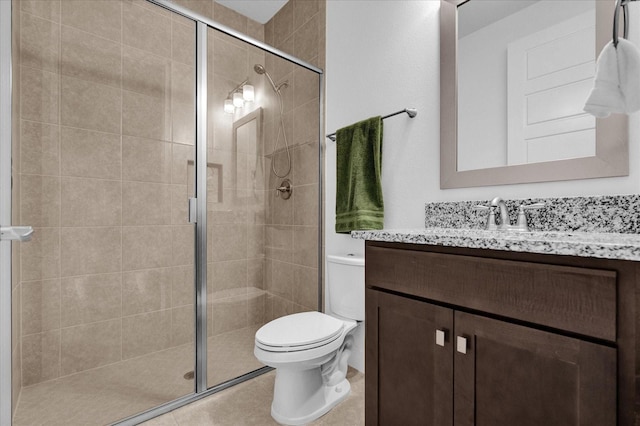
(310, 350)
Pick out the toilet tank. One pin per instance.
(345, 283)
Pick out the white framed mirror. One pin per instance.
(514, 78)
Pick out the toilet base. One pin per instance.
(332, 396)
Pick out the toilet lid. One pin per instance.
(303, 329)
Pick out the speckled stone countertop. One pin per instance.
(583, 244)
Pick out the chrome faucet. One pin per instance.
(498, 202)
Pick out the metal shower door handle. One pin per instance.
(16, 233)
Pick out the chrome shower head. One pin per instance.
(260, 69)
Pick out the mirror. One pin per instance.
(247, 144)
(514, 79)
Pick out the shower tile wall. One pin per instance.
(106, 126)
(291, 234)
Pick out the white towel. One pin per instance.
(617, 83)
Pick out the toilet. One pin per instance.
(310, 350)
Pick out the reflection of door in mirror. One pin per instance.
(525, 70)
(247, 142)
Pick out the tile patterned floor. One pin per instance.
(104, 395)
(249, 404)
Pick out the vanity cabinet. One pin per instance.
(482, 337)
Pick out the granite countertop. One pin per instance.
(583, 244)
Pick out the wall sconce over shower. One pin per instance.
(236, 98)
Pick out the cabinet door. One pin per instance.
(515, 375)
(407, 375)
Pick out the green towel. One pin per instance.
(359, 202)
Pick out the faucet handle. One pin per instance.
(491, 220)
(522, 224)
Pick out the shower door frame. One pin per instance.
(200, 214)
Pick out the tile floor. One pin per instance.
(104, 395)
(249, 403)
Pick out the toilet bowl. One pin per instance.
(310, 350)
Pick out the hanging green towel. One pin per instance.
(359, 202)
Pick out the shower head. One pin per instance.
(260, 69)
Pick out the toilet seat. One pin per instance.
(299, 332)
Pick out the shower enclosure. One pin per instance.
(163, 236)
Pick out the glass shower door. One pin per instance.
(104, 143)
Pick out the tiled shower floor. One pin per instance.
(104, 395)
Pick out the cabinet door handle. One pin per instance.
(461, 344)
(440, 337)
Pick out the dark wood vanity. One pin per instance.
(459, 336)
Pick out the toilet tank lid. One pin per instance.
(346, 259)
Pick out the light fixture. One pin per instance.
(243, 92)
(228, 106)
(247, 93)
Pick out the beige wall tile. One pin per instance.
(305, 286)
(183, 84)
(306, 86)
(40, 306)
(281, 211)
(229, 242)
(91, 202)
(305, 205)
(229, 17)
(229, 59)
(40, 200)
(146, 160)
(102, 18)
(256, 273)
(145, 73)
(90, 250)
(39, 148)
(40, 357)
(303, 10)
(136, 241)
(256, 308)
(90, 298)
(146, 290)
(179, 205)
(305, 246)
(146, 30)
(40, 259)
(183, 286)
(229, 314)
(305, 164)
(90, 105)
(86, 153)
(227, 275)
(90, 57)
(203, 7)
(306, 119)
(183, 43)
(182, 325)
(255, 241)
(146, 333)
(283, 23)
(47, 9)
(183, 245)
(305, 40)
(181, 172)
(281, 279)
(183, 123)
(144, 116)
(145, 203)
(90, 346)
(39, 93)
(39, 43)
(279, 243)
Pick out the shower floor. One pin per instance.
(107, 394)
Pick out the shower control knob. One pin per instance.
(284, 190)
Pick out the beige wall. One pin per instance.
(107, 138)
(106, 130)
(291, 234)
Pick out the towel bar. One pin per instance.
(411, 112)
(621, 4)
